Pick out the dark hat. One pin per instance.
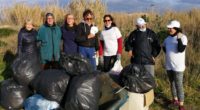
(49, 14)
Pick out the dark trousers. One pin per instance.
(51, 65)
(109, 62)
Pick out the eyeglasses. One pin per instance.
(88, 19)
(107, 20)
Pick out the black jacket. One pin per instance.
(83, 31)
(27, 42)
(144, 45)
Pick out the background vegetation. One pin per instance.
(13, 18)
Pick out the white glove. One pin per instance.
(179, 35)
(94, 30)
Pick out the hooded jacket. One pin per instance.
(83, 31)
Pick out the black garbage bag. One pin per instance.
(83, 93)
(75, 64)
(12, 95)
(51, 84)
(137, 79)
(25, 68)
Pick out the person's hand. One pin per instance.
(101, 59)
(179, 35)
(130, 54)
(91, 36)
(118, 56)
(153, 59)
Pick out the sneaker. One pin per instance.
(181, 108)
(175, 102)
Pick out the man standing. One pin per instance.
(49, 35)
(143, 46)
(86, 37)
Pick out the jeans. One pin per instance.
(150, 69)
(89, 53)
(176, 83)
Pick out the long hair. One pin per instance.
(111, 18)
(65, 19)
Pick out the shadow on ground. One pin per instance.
(8, 60)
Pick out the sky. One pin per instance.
(126, 5)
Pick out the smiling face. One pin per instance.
(50, 20)
(29, 26)
(107, 22)
(88, 19)
(171, 31)
(70, 20)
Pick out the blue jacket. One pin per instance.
(50, 38)
(68, 37)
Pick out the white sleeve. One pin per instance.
(184, 40)
(117, 33)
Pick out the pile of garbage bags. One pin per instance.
(67, 88)
(135, 78)
(76, 86)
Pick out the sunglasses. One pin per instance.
(107, 20)
(88, 19)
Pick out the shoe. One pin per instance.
(175, 102)
(181, 108)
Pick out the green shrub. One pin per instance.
(4, 32)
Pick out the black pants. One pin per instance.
(109, 62)
(51, 65)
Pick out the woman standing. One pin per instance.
(27, 39)
(68, 35)
(49, 35)
(110, 43)
(174, 47)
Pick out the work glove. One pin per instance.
(118, 56)
(101, 60)
(179, 35)
(94, 30)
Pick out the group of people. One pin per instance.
(142, 45)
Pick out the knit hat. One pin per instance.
(49, 14)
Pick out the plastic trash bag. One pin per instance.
(136, 79)
(37, 102)
(25, 68)
(51, 84)
(83, 93)
(12, 95)
(75, 64)
(117, 68)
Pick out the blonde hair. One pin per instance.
(28, 21)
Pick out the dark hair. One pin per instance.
(178, 29)
(111, 18)
(46, 16)
(87, 12)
